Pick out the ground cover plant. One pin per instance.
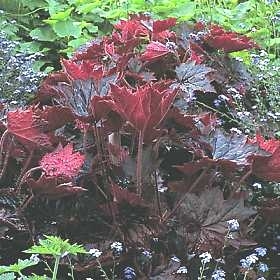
(123, 151)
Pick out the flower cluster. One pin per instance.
(95, 252)
(218, 274)
(182, 270)
(233, 225)
(205, 257)
(117, 248)
(17, 78)
(250, 261)
(129, 273)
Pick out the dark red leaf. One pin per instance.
(191, 168)
(101, 106)
(186, 121)
(47, 90)
(131, 28)
(52, 188)
(121, 195)
(196, 53)
(204, 219)
(24, 126)
(270, 210)
(117, 154)
(56, 117)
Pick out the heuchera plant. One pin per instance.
(117, 126)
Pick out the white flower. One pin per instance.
(117, 247)
(233, 225)
(205, 257)
(235, 130)
(147, 254)
(261, 251)
(182, 270)
(35, 258)
(88, 278)
(218, 274)
(257, 186)
(175, 259)
(249, 260)
(95, 252)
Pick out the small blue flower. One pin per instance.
(233, 225)
(147, 254)
(218, 274)
(261, 251)
(129, 273)
(263, 267)
(249, 261)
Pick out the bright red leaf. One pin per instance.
(146, 107)
(160, 29)
(62, 163)
(228, 41)
(83, 70)
(154, 51)
(267, 168)
(131, 28)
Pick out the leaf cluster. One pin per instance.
(91, 157)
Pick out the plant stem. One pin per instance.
(57, 258)
(201, 272)
(139, 163)
(104, 274)
(71, 268)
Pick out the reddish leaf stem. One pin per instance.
(6, 159)
(2, 140)
(139, 163)
(25, 167)
(29, 172)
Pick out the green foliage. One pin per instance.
(7, 276)
(55, 246)
(19, 266)
(51, 245)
